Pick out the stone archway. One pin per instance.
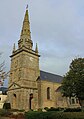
(14, 101)
(30, 100)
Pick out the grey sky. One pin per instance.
(56, 25)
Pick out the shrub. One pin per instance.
(40, 110)
(46, 108)
(72, 110)
(53, 109)
(22, 110)
(4, 112)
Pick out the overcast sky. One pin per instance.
(56, 25)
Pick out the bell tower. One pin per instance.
(24, 71)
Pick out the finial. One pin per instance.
(14, 48)
(36, 50)
(27, 6)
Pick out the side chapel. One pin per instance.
(30, 88)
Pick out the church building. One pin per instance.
(29, 87)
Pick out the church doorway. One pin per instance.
(14, 101)
(30, 100)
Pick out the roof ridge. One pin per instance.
(51, 73)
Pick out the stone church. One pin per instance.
(29, 87)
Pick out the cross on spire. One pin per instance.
(27, 6)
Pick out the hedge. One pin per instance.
(54, 115)
(73, 110)
(63, 109)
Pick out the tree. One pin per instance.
(73, 81)
(3, 73)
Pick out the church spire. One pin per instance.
(25, 37)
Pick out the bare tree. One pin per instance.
(3, 73)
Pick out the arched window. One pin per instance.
(14, 95)
(48, 93)
(30, 100)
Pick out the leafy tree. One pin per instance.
(73, 82)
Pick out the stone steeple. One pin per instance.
(25, 37)
(24, 71)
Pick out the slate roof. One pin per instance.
(3, 89)
(50, 77)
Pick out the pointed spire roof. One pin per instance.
(25, 37)
(26, 25)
